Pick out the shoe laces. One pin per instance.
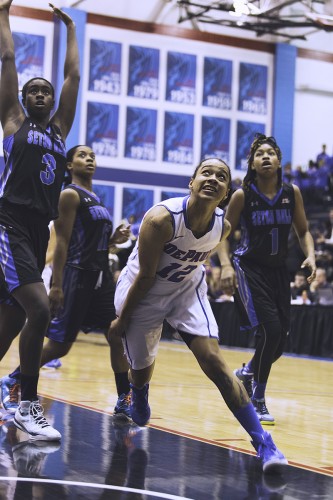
(261, 405)
(37, 413)
(14, 392)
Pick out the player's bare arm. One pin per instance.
(156, 230)
(306, 242)
(68, 204)
(64, 116)
(11, 112)
(228, 275)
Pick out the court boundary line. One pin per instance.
(125, 489)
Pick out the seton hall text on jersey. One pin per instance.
(268, 217)
(43, 140)
(188, 255)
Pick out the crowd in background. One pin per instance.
(316, 185)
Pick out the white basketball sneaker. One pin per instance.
(29, 417)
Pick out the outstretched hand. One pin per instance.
(65, 18)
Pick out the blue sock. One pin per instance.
(248, 419)
(259, 389)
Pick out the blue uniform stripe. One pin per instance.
(245, 293)
(7, 261)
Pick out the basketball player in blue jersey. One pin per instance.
(30, 185)
(165, 279)
(82, 286)
(266, 209)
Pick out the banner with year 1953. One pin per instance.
(29, 56)
(253, 88)
(105, 67)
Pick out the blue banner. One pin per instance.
(178, 138)
(141, 134)
(105, 67)
(102, 128)
(165, 195)
(106, 195)
(136, 202)
(181, 78)
(253, 88)
(245, 136)
(217, 83)
(144, 64)
(215, 138)
(29, 56)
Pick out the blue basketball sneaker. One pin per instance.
(122, 410)
(273, 461)
(10, 391)
(54, 363)
(140, 409)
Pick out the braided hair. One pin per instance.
(260, 139)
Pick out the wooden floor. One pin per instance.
(186, 404)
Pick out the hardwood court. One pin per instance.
(193, 447)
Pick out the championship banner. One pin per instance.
(106, 195)
(215, 138)
(105, 67)
(143, 71)
(217, 83)
(178, 138)
(245, 136)
(253, 88)
(181, 78)
(29, 56)
(140, 142)
(102, 128)
(136, 202)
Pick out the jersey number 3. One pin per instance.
(47, 176)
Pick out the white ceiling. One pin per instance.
(169, 12)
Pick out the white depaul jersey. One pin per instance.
(183, 256)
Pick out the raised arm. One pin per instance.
(11, 111)
(68, 205)
(64, 116)
(156, 230)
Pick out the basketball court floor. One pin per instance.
(193, 447)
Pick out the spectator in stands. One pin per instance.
(322, 289)
(322, 157)
(299, 286)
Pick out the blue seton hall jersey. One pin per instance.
(35, 167)
(183, 256)
(265, 226)
(89, 244)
